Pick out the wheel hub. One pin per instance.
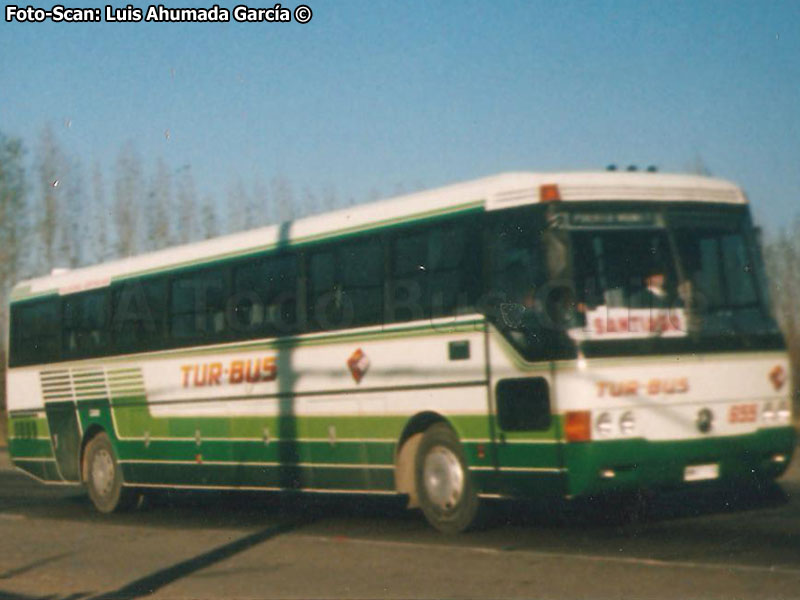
(103, 472)
(443, 477)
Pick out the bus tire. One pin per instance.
(103, 477)
(444, 487)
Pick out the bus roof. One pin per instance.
(490, 193)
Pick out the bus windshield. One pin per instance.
(695, 275)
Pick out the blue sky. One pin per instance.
(380, 95)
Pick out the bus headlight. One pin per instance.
(627, 423)
(603, 424)
(768, 412)
(784, 412)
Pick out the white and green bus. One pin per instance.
(523, 335)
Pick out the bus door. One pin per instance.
(527, 262)
(527, 430)
(65, 436)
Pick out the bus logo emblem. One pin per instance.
(778, 377)
(705, 420)
(358, 363)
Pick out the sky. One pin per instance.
(372, 97)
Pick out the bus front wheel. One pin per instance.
(446, 493)
(103, 477)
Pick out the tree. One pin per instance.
(259, 205)
(698, 166)
(283, 198)
(51, 174)
(309, 202)
(158, 230)
(186, 217)
(128, 196)
(98, 244)
(74, 226)
(210, 219)
(12, 220)
(240, 209)
(330, 199)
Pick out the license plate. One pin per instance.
(701, 472)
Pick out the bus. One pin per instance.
(526, 335)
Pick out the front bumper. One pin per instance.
(629, 465)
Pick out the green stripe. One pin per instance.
(234, 452)
(38, 425)
(135, 421)
(258, 476)
(33, 448)
(529, 455)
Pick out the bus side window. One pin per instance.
(361, 265)
(516, 271)
(247, 303)
(138, 314)
(265, 296)
(322, 291)
(408, 293)
(526, 304)
(454, 270)
(86, 331)
(197, 305)
(346, 285)
(435, 272)
(35, 329)
(280, 294)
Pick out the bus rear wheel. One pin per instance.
(103, 477)
(444, 487)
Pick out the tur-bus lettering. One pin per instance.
(653, 387)
(238, 371)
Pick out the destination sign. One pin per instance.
(605, 323)
(617, 219)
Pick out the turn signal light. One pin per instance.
(578, 426)
(549, 193)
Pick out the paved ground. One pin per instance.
(707, 545)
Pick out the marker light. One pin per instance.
(603, 424)
(578, 426)
(549, 193)
(784, 412)
(627, 423)
(768, 412)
